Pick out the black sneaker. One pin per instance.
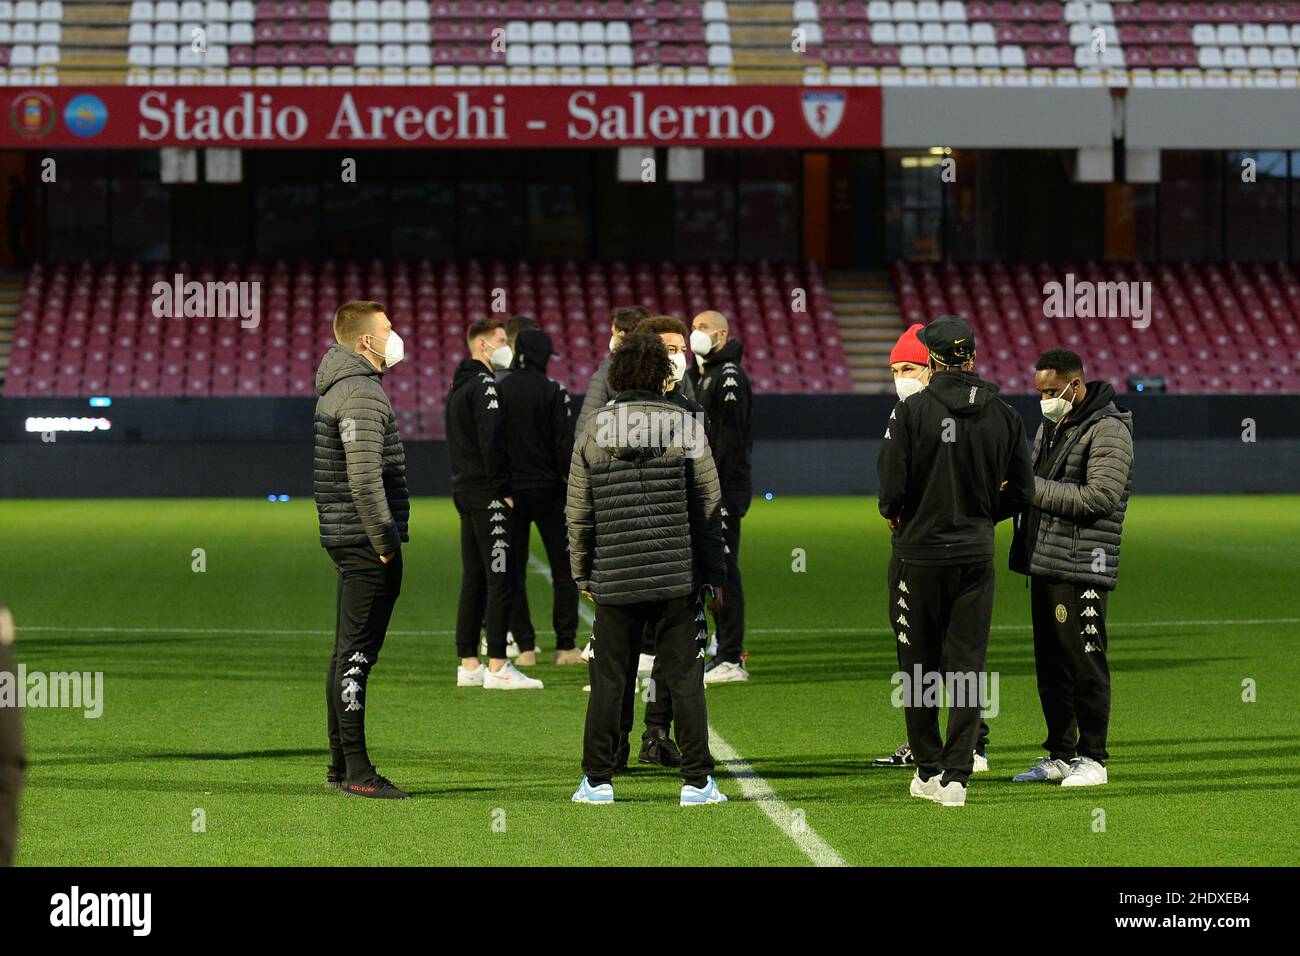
(658, 748)
(902, 757)
(334, 777)
(375, 787)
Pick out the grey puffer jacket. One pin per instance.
(597, 395)
(360, 463)
(1084, 474)
(644, 506)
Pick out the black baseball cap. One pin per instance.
(949, 339)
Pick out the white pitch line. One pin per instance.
(758, 790)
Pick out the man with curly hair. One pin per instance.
(645, 540)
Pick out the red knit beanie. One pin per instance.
(909, 348)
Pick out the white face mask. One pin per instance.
(679, 367)
(701, 342)
(502, 357)
(1054, 409)
(907, 387)
(394, 350)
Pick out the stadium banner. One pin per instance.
(433, 116)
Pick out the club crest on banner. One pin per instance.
(823, 112)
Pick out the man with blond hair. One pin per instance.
(363, 509)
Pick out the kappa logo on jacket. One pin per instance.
(730, 397)
(497, 503)
(902, 619)
(492, 404)
(1090, 629)
(1091, 648)
(902, 638)
(358, 658)
(1090, 594)
(902, 586)
(730, 382)
(490, 390)
(1089, 612)
(973, 390)
(903, 604)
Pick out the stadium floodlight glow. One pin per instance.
(44, 425)
(101, 401)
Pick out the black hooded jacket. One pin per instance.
(947, 449)
(476, 437)
(539, 431)
(723, 388)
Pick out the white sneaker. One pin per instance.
(510, 678)
(981, 764)
(1085, 772)
(1046, 769)
(923, 788)
(725, 672)
(950, 795)
(645, 664)
(472, 678)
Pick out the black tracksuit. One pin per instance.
(722, 388)
(946, 451)
(539, 437)
(480, 483)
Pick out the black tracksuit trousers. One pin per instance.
(616, 644)
(544, 507)
(731, 619)
(488, 578)
(658, 696)
(941, 616)
(1070, 660)
(367, 593)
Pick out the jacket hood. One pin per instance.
(1099, 402)
(533, 349)
(467, 369)
(730, 352)
(640, 425)
(962, 393)
(339, 363)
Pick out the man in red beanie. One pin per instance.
(909, 361)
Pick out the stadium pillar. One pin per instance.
(816, 207)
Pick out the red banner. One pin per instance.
(432, 116)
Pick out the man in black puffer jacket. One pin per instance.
(1068, 544)
(645, 537)
(953, 463)
(363, 507)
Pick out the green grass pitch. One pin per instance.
(214, 702)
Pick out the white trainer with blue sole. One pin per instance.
(586, 793)
(699, 796)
